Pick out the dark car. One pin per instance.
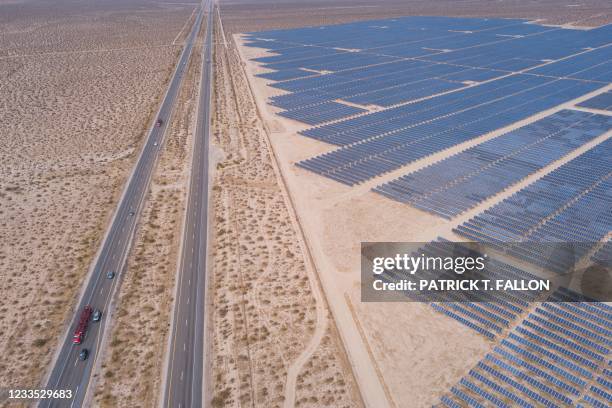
(83, 354)
(97, 316)
(110, 274)
(159, 123)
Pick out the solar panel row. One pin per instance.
(284, 75)
(554, 319)
(591, 322)
(458, 183)
(539, 366)
(325, 112)
(604, 254)
(595, 402)
(595, 315)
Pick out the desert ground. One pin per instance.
(335, 219)
(273, 343)
(79, 87)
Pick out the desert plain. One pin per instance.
(80, 83)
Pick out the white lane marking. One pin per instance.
(182, 372)
(185, 322)
(187, 300)
(184, 346)
(76, 361)
(76, 392)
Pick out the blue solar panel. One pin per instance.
(602, 101)
(285, 75)
(603, 255)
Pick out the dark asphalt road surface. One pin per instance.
(184, 381)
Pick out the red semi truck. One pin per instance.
(79, 333)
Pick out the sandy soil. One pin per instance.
(79, 86)
(241, 16)
(270, 326)
(142, 317)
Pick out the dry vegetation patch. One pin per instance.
(323, 379)
(265, 311)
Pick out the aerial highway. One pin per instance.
(70, 371)
(184, 382)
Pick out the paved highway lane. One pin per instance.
(184, 382)
(68, 371)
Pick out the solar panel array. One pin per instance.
(570, 204)
(389, 62)
(557, 356)
(387, 93)
(458, 183)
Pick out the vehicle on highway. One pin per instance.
(83, 354)
(132, 212)
(81, 329)
(110, 274)
(97, 315)
(159, 123)
(155, 144)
